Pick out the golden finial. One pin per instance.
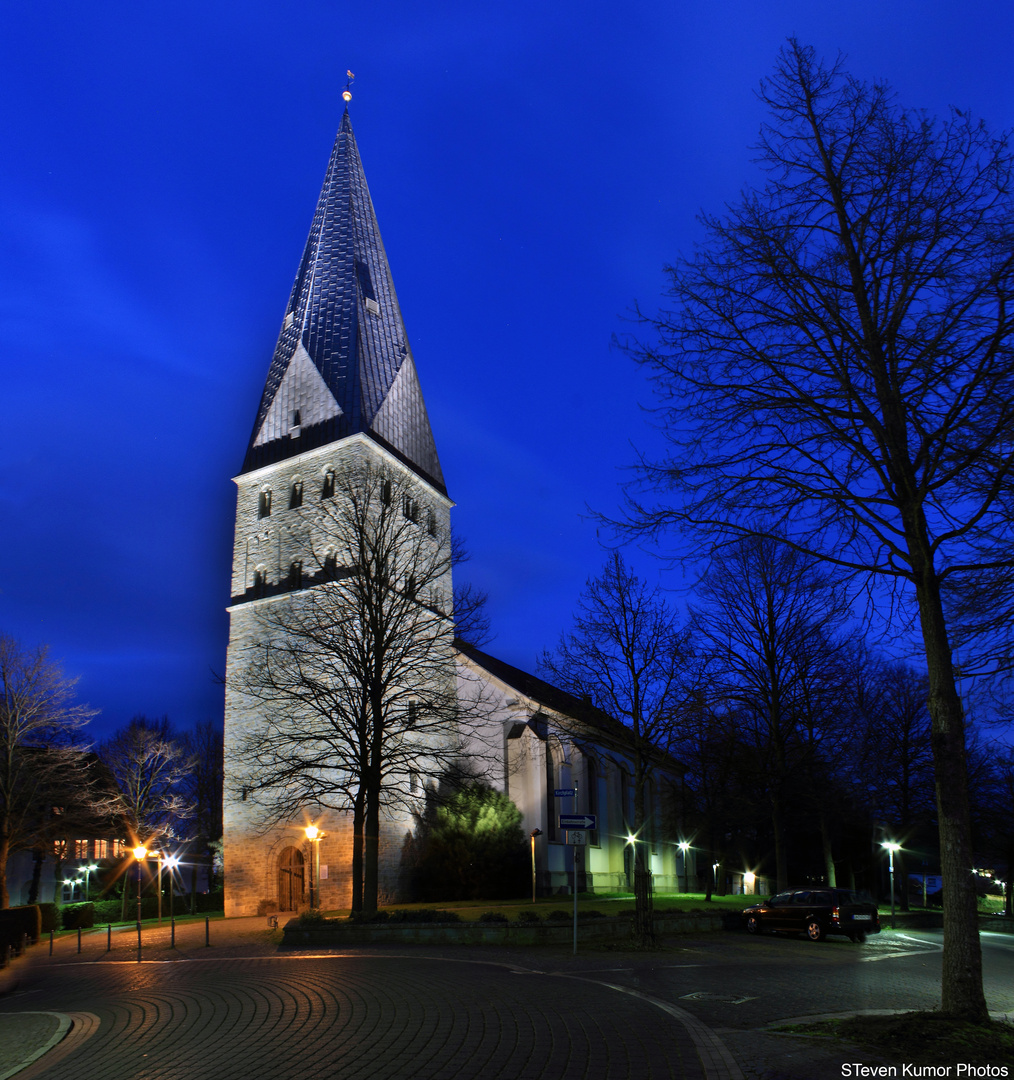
(347, 92)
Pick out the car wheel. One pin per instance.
(753, 925)
(814, 931)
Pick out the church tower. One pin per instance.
(341, 390)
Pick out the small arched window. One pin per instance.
(413, 711)
(410, 508)
(259, 581)
(296, 575)
(264, 505)
(296, 494)
(330, 563)
(431, 523)
(327, 488)
(385, 492)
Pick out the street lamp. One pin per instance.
(684, 846)
(87, 870)
(535, 833)
(749, 881)
(891, 847)
(139, 854)
(314, 835)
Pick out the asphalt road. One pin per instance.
(699, 1008)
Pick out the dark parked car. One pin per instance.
(815, 912)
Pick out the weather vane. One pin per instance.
(347, 92)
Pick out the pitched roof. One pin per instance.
(342, 364)
(544, 693)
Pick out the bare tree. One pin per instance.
(38, 721)
(203, 789)
(352, 694)
(630, 656)
(769, 625)
(837, 359)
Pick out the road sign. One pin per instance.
(564, 792)
(577, 836)
(579, 821)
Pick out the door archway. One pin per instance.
(291, 879)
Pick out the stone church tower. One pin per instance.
(342, 387)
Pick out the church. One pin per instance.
(343, 399)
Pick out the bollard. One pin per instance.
(207, 931)
(50, 942)
(79, 940)
(138, 940)
(109, 938)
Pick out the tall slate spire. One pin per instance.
(343, 364)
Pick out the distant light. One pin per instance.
(684, 846)
(172, 861)
(749, 877)
(140, 851)
(890, 845)
(631, 839)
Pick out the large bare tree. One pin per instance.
(631, 657)
(836, 359)
(39, 761)
(351, 691)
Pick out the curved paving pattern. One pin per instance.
(352, 1017)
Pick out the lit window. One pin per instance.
(101, 849)
(264, 506)
(119, 849)
(81, 849)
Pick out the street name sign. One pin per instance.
(579, 821)
(564, 792)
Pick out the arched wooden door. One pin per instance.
(291, 880)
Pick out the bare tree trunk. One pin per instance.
(825, 838)
(358, 843)
(5, 847)
(644, 925)
(962, 955)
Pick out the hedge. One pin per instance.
(17, 922)
(77, 916)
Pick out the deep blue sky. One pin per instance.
(533, 167)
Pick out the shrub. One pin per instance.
(560, 915)
(493, 917)
(77, 916)
(50, 916)
(527, 918)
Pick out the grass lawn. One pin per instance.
(921, 1038)
(604, 903)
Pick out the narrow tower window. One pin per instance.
(431, 523)
(296, 495)
(264, 506)
(410, 508)
(296, 575)
(385, 492)
(327, 490)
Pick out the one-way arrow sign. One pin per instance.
(578, 821)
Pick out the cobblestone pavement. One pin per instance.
(698, 1008)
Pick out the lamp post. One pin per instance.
(140, 852)
(684, 847)
(88, 878)
(535, 833)
(891, 847)
(314, 835)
